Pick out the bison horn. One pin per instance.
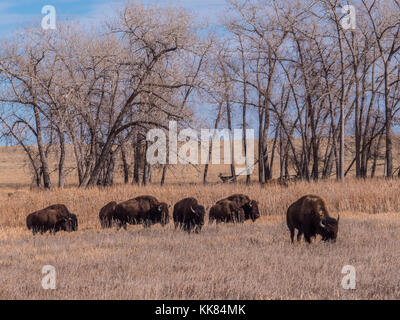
(250, 204)
(191, 209)
(160, 207)
(322, 224)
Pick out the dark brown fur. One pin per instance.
(53, 219)
(74, 219)
(226, 211)
(106, 215)
(189, 215)
(250, 207)
(146, 210)
(60, 208)
(309, 215)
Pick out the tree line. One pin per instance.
(313, 89)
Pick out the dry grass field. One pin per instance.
(249, 261)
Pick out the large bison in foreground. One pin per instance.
(106, 215)
(226, 211)
(309, 215)
(250, 207)
(54, 218)
(189, 215)
(145, 210)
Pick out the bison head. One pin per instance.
(198, 214)
(67, 224)
(329, 228)
(251, 210)
(162, 210)
(74, 222)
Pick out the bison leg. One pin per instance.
(291, 229)
(105, 224)
(110, 223)
(147, 224)
(299, 234)
(187, 226)
(308, 232)
(121, 225)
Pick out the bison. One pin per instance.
(106, 215)
(53, 219)
(250, 207)
(189, 215)
(309, 215)
(226, 211)
(145, 210)
(63, 210)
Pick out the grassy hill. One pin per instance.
(15, 170)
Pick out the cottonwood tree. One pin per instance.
(315, 91)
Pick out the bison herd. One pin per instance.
(309, 215)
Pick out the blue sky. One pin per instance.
(16, 13)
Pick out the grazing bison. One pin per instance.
(226, 211)
(53, 220)
(250, 207)
(144, 210)
(106, 215)
(309, 215)
(63, 210)
(189, 215)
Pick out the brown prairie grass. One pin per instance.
(250, 261)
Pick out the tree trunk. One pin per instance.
(41, 148)
(388, 126)
(61, 163)
(109, 177)
(125, 164)
(216, 124)
(163, 175)
(228, 112)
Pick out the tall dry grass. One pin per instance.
(250, 261)
(370, 196)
